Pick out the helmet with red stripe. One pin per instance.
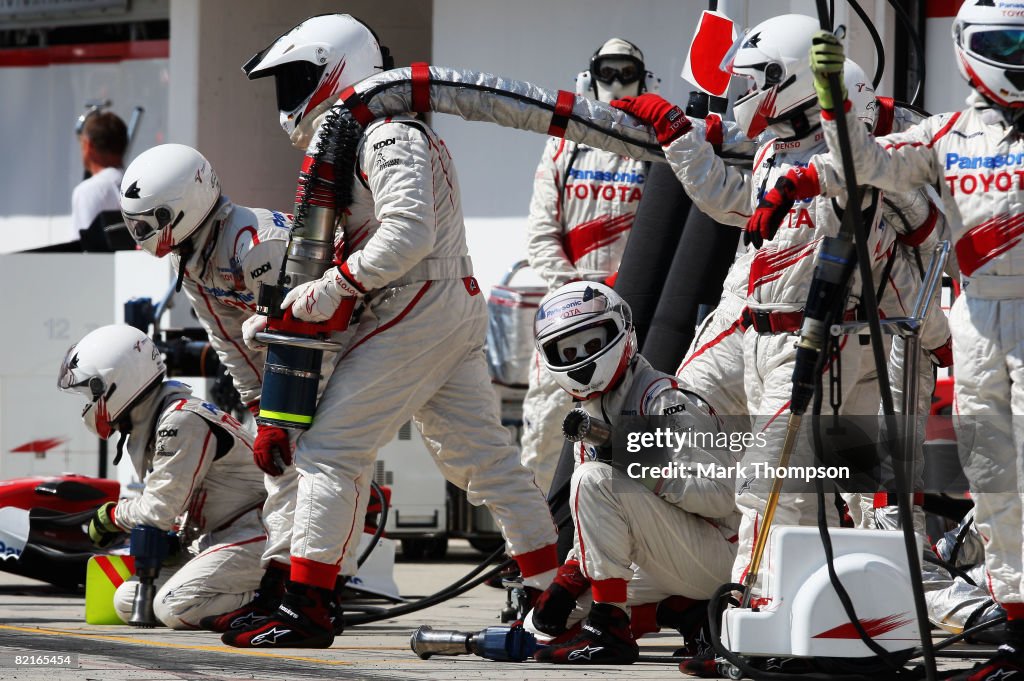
(313, 63)
(167, 194)
(115, 367)
(989, 41)
(775, 57)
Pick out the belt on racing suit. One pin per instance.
(994, 287)
(432, 269)
(770, 321)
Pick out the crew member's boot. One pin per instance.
(337, 609)
(690, 619)
(993, 635)
(1008, 662)
(255, 612)
(553, 607)
(303, 620)
(604, 638)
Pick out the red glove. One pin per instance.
(774, 206)
(942, 356)
(667, 119)
(272, 450)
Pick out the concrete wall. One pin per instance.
(945, 88)
(233, 121)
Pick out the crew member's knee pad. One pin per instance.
(124, 597)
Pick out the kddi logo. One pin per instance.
(385, 143)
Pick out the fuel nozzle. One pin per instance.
(825, 302)
(149, 548)
(295, 349)
(503, 644)
(579, 426)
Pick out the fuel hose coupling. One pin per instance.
(295, 349)
(579, 426)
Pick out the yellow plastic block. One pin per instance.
(103, 574)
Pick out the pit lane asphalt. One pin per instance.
(36, 619)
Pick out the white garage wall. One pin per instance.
(41, 106)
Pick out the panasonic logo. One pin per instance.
(975, 162)
(606, 176)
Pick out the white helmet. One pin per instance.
(584, 333)
(115, 367)
(989, 43)
(617, 70)
(861, 93)
(313, 63)
(167, 194)
(775, 56)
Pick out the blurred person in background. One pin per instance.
(582, 209)
(103, 141)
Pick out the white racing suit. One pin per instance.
(713, 366)
(196, 463)
(951, 601)
(898, 296)
(416, 353)
(222, 281)
(777, 289)
(677, 539)
(978, 161)
(582, 209)
(910, 255)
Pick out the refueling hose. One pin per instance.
(454, 589)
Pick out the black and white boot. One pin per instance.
(604, 638)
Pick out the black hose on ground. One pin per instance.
(454, 589)
(381, 522)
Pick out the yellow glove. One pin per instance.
(827, 58)
(102, 530)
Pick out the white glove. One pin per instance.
(317, 301)
(252, 326)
